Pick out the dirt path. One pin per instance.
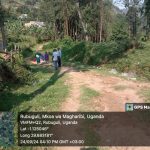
(39, 47)
(114, 93)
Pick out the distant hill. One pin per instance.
(18, 3)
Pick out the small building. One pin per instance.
(35, 23)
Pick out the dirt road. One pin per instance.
(114, 93)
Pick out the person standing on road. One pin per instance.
(46, 57)
(55, 59)
(59, 57)
(37, 55)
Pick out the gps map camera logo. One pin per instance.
(129, 107)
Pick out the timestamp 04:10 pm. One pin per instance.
(39, 142)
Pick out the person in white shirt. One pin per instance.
(59, 57)
(55, 59)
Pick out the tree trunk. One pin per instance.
(2, 30)
(101, 20)
(66, 32)
(82, 22)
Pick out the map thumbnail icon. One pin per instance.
(6, 129)
(129, 107)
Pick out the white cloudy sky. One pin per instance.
(119, 3)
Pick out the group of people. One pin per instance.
(42, 57)
(56, 57)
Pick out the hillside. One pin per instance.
(136, 61)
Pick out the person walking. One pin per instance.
(37, 55)
(46, 57)
(55, 59)
(59, 57)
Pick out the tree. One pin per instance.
(2, 19)
(147, 16)
(82, 21)
(132, 15)
(65, 13)
(101, 7)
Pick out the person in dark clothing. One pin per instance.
(46, 57)
(55, 59)
(59, 56)
(37, 55)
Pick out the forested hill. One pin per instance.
(91, 32)
(23, 6)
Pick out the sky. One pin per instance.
(119, 3)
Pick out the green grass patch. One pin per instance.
(146, 94)
(120, 87)
(136, 60)
(87, 94)
(104, 71)
(45, 93)
(95, 148)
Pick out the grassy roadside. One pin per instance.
(86, 100)
(87, 95)
(146, 94)
(43, 94)
(46, 92)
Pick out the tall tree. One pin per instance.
(65, 12)
(132, 15)
(2, 29)
(82, 21)
(147, 16)
(101, 7)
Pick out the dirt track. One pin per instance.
(110, 99)
(114, 91)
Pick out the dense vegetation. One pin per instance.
(90, 32)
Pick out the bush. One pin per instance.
(136, 61)
(75, 53)
(50, 45)
(88, 52)
(64, 43)
(27, 52)
(94, 53)
(22, 73)
(19, 74)
(6, 73)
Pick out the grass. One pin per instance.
(135, 60)
(45, 93)
(146, 94)
(87, 94)
(120, 87)
(94, 148)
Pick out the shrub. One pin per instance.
(66, 43)
(90, 53)
(51, 45)
(22, 73)
(27, 52)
